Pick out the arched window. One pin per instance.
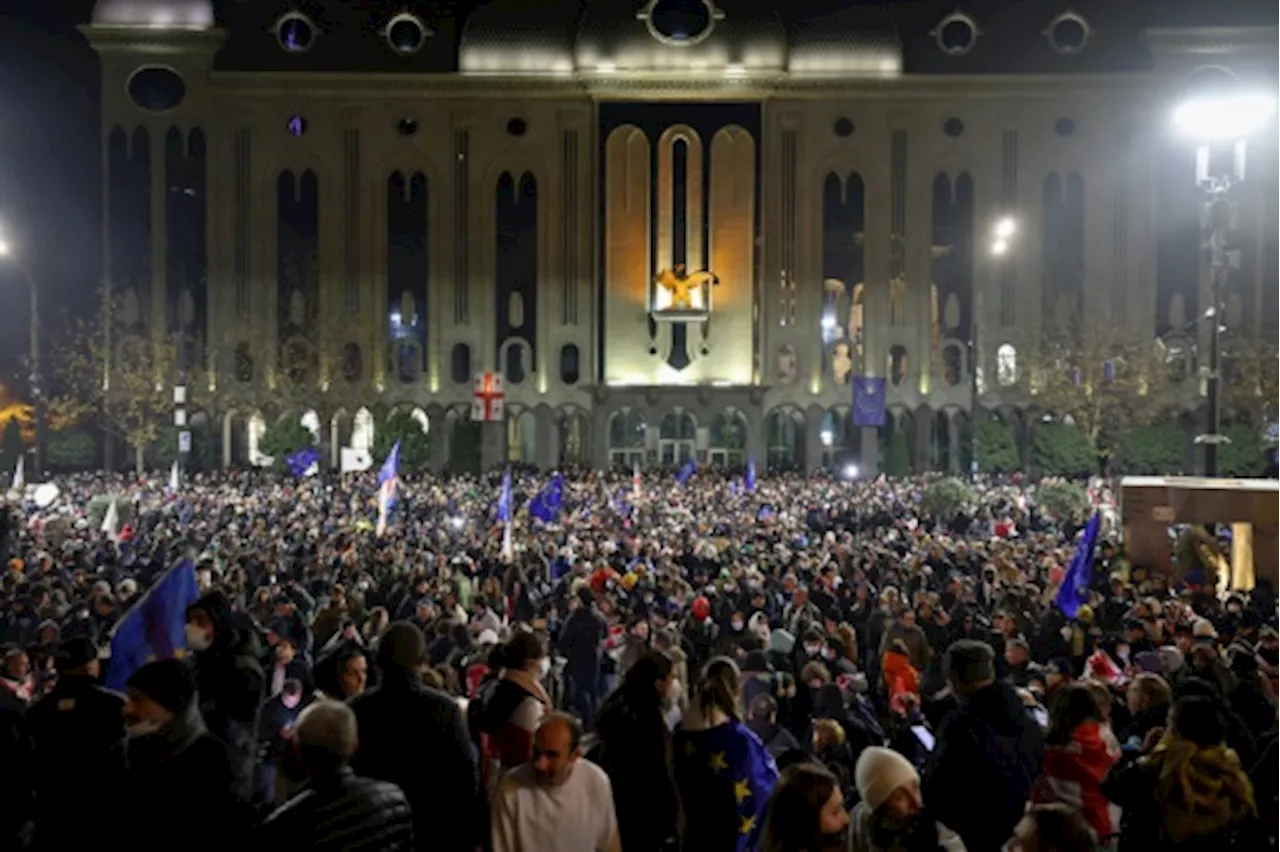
(729, 439)
(244, 363)
(572, 428)
(951, 365)
(785, 431)
(514, 372)
(362, 431)
(352, 363)
(460, 364)
(627, 432)
(1007, 365)
(898, 365)
(570, 370)
(676, 437)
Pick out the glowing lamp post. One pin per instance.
(7, 254)
(1210, 119)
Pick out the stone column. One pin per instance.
(870, 451)
(813, 446)
(493, 445)
(548, 443)
(953, 443)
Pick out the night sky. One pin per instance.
(50, 175)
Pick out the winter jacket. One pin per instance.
(1073, 775)
(861, 837)
(341, 813)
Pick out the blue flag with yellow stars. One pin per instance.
(725, 776)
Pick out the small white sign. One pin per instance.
(352, 461)
(184, 441)
(179, 394)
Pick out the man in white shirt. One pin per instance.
(556, 802)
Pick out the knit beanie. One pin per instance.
(881, 771)
(170, 683)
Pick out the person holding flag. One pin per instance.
(687, 470)
(546, 505)
(749, 479)
(504, 515)
(388, 477)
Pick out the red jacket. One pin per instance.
(1073, 775)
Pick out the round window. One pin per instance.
(843, 127)
(956, 34)
(297, 125)
(295, 32)
(407, 126)
(1064, 126)
(517, 127)
(406, 34)
(681, 22)
(156, 89)
(1068, 34)
(953, 127)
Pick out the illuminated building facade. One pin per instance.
(677, 227)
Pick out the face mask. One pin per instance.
(141, 729)
(828, 654)
(198, 639)
(735, 624)
(812, 650)
(544, 667)
(291, 701)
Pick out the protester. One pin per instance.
(416, 738)
(988, 752)
(806, 812)
(509, 711)
(336, 810)
(1077, 758)
(556, 802)
(1052, 828)
(890, 814)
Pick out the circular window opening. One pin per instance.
(957, 34)
(517, 127)
(406, 34)
(843, 128)
(156, 89)
(953, 127)
(295, 32)
(1068, 34)
(297, 125)
(681, 21)
(407, 126)
(1064, 127)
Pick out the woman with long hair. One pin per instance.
(635, 751)
(724, 774)
(806, 812)
(511, 709)
(1188, 791)
(1077, 757)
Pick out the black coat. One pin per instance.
(987, 755)
(416, 738)
(341, 813)
(77, 729)
(179, 788)
(636, 754)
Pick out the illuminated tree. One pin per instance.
(1105, 377)
(1250, 378)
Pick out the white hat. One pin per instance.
(880, 772)
(1202, 628)
(487, 637)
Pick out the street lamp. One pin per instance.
(1002, 234)
(37, 392)
(1206, 118)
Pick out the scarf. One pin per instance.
(1204, 789)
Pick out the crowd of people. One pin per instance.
(796, 664)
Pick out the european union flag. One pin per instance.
(750, 479)
(868, 401)
(155, 627)
(388, 476)
(686, 471)
(303, 461)
(1074, 590)
(725, 775)
(546, 505)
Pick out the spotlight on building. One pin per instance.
(1226, 117)
(828, 322)
(851, 471)
(1006, 228)
(1000, 247)
(827, 437)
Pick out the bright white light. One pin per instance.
(4, 249)
(1228, 117)
(456, 522)
(851, 471)
(735, 69)
(607, 67)
(1005, 228)
(828, 321)
(1000, 247)
(826, 437)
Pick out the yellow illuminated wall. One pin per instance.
(626, 256)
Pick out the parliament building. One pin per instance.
(673, 228)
